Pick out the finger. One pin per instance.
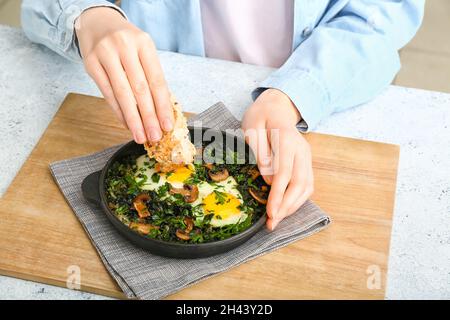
(268, 179)
(141, 91)
(257, 140)
(124, 95)
(269, 224)
(309, 189)
(309, 181)
(298, 190)
(300, 201)
(273, 223)
(294, 191)
(96, 71)
(158, 86)
(280, 182)
(298, 182)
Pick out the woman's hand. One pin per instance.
(283, 155)
(124, 64)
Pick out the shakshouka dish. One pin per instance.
(193, 203)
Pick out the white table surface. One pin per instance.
(34, 81)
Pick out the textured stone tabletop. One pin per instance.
(34, 81)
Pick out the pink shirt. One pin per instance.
(249, 31)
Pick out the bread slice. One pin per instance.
(175, 147)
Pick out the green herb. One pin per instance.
(220, 197)
(156, 177)
(123, 209)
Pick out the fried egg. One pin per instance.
(226, 209)
(176, 178)
(222, 199)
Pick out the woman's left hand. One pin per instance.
(283, 155)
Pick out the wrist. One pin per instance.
(95, 17)
(279, 106)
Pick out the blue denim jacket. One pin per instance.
(344, 51)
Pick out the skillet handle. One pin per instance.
(90, 187)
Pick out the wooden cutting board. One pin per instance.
(40, 237)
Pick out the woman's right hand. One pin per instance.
(124, 64)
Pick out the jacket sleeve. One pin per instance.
(348, 59)
(52, 22)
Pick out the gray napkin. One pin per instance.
(143, 275)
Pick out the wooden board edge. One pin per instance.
(62, 284)
(396, 149)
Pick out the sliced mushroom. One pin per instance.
(184, 234)
(218, 175)
(189, 222)
(209, 166)
(254, 173)
(143, 228)
(259, 195)
(189, 192)
(140, 206)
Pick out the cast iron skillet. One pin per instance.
(93, 188)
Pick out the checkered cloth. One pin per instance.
(143, 275)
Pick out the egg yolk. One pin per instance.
(180, 174)
(225, 206)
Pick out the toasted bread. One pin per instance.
(175, 147)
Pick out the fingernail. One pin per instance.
(139, 136)
(155, 135)
(167, 124)
(265, 162)
(268, 179)
(274, 224)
